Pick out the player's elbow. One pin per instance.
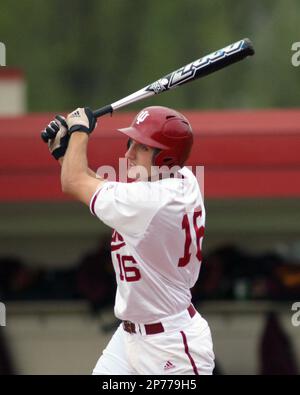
(68, 184)
(69, 180)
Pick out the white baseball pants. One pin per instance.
(184, 348)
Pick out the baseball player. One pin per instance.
(158, 226)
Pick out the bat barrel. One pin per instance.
(199, 68)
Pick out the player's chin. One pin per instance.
(132, 174)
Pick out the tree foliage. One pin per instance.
(93, 52)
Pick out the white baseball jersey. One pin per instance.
(156, 244)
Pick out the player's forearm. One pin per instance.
(90, 171)
(75, 164)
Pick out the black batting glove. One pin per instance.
(57, 137)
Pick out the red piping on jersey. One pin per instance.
(94, 201)
(115, 247)
(186, 349)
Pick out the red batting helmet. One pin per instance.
(163, 128)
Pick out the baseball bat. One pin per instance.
(199, 68)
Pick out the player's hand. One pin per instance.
(57, 137)
(81, 120)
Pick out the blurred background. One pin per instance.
(56, 277)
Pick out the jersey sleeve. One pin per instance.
(128, 208)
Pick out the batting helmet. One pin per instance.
(165, 129)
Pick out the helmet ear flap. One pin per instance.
(161, 159)
(156, 152)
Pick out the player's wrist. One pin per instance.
(79, 132)
(79, 135)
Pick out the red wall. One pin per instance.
(245, 153)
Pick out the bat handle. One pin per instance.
(103, 110)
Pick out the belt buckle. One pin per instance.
(129, 327)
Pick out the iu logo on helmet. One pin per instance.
(142, 116)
